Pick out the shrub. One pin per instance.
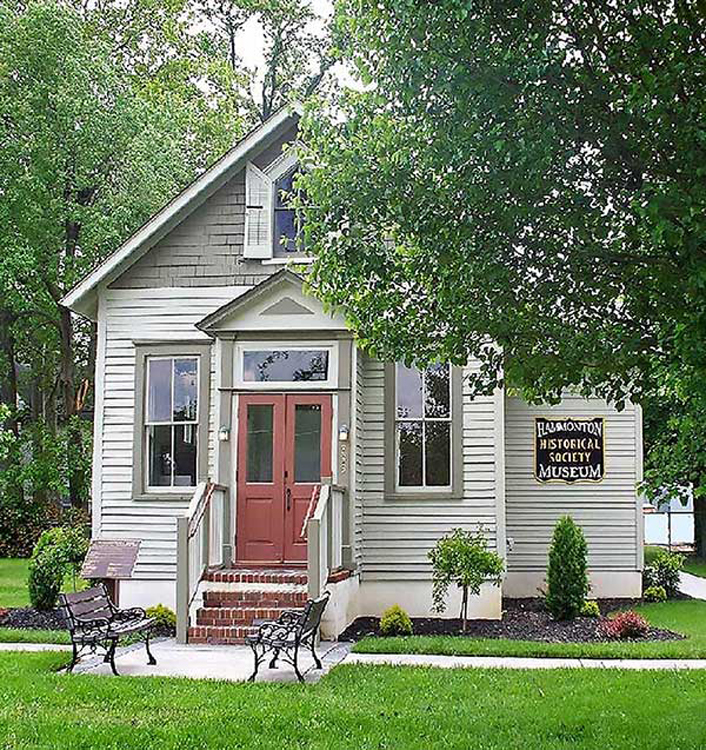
(164, 618)
(664, 571)
(462, 558)
(395, 621)
(567, 580)
(590, 609)
(58, 553)
(627, 624)
(654, 594)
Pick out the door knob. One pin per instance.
(288, 495)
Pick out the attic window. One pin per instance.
(288, 238)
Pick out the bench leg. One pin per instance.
(150, 659)
(111, 658)
(74, 658)
(317, 661)
(295, 664)
(273, 662)
(258, 659)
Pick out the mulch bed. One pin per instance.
(28, 618)
(523, 619)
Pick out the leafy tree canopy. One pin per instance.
(525, 183)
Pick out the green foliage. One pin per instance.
(567, 579)
(163, 616)
(58, 553)
(590, 609)
(463, 558)
(395, 621)
(654, 594)
(525, 177)
(664, 571)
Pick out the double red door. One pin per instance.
(284, 448)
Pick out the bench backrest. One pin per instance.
(90, 604)
(311, 616)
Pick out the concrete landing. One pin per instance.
(693, 586)
(211, 662)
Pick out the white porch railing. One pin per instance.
(201, 536)
(325, 537)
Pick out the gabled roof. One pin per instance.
(82, 298)
(278, 303)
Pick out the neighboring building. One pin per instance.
(213, 363)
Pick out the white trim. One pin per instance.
(288, 385)
(98, 421)
(281, 165)
(173, 210)
(294, 261)
(423, 488)
(499, 440)
(639, 500)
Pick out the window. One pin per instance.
(423, 427)
(423, 438)
(285, 365)
(171, 419)
(288, 232)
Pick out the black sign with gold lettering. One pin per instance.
(569, 450)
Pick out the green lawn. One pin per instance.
(685, 616)
(695, 566)
(13, 583)
(400, 708)
(23, 635)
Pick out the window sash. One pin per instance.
(172, 423)
(423, 420)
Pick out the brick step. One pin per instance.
(280, 577)
(227, 635)
(255, 598)
(225, 616)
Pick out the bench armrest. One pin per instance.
(101, 624)
(133, 613)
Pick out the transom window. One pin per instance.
(423, 426)
(171, 421)
(285, 365)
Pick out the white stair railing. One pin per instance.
(201, 535)
(325, 537)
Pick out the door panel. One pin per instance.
(284, 448)
(260, 479)
(307, 459)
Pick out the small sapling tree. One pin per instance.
(463, 558)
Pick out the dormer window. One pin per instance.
(272, 227)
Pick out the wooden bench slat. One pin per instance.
(94, 605)
(73, 598)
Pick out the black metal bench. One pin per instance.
(94, 622)
(287, 634)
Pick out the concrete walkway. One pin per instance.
(511, 662)
(232, 663)
(693, 586)
(34, 647)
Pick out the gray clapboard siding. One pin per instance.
(159, 314)
(396, 535)
(606, 511)
(206, 249)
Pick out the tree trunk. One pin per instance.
(700, 526)
(8, 373)
(68, 393)
(464, 609)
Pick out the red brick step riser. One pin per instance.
(241, 576)
(207, 634)
(226, 616)
(262, 599)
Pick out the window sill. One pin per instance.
(177, 496)
(284, 261)
(426, 495)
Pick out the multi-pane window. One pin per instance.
(423, 426)
(171, 421)
(287, 234)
